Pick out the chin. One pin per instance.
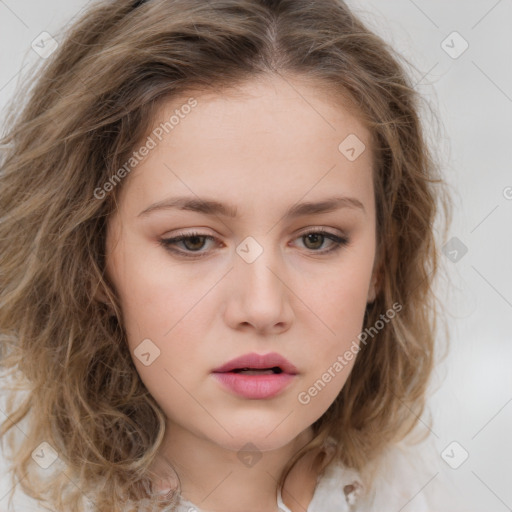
(264, 438)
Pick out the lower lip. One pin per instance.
(255, 387)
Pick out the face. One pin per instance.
(277, 277)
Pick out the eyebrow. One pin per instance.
(212, 207)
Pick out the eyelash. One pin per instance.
(167, 243)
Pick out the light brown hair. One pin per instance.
(84, 113)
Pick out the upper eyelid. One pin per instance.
(340, 232)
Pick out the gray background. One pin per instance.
(472, 93)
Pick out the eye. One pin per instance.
(315, 240)
(194, 242)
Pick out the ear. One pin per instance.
(100, 295)
(374, 287)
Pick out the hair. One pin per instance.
(79, 120)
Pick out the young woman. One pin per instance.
(217, 264)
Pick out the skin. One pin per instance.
(262, 147)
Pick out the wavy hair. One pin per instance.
(77, 120)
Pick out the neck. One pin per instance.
(215, 478)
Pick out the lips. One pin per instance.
(256, 364)
(257, 377)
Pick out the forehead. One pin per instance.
(272, 137)
(273, 103)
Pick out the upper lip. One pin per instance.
(258, 362)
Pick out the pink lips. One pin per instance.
(233, 375)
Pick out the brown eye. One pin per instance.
(194, 243)
(314, 240)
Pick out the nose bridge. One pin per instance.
(257, 266)
(258, 295)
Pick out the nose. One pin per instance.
(259, 294)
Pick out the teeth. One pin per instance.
(257, 372)
(268, 371)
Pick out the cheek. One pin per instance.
(163, 335)
(163, 318)
(339, 302)
(339, 306)
(154, 297)
(334, 358)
